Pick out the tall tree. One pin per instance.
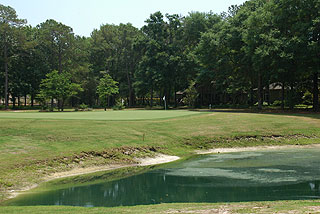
(113, 51)
(154, 63)
(56, 40)
(9, 23)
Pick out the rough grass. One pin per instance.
(33, 145)
(295, 207)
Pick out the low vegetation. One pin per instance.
(249, 207)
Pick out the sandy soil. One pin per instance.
(159, 159)
(256, 148)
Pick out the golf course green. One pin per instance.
(99, 115)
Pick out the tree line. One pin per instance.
(198, 60)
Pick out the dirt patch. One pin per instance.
(209, 211)
(254, 148)
(202, 143)
(315, 209)
(204, 210)
(158, 159)
(125, 154)
(246, 208)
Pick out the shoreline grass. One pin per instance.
(297, 207)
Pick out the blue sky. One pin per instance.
(85, 15)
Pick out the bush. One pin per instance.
(119, 105)
(277, 103)
(307, 98)
(83, 107)
(191, 95)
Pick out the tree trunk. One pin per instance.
(62, 104)
(51, 104)
(32, 100)
(151, 96)
(167, 98)
(282, 96)
(202, 92)
(175, 99)
(19, 103)
(315, 92)
(73, 102)
(25, 100)
(13, 101)
(130, 86)
(260, 92)
(60, 70)
(211, 96)
(268, 92)
(292, 96)
(60, 59)
(6, 95)
(251, 97)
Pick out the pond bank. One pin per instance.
(254, 148)
(282, 174)
(158, 159)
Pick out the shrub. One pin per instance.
(83, 107)
(307, 98)
(119, 105)
(277, 103)
(191, 95)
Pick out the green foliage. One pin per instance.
(56, 42)
(191, 95)
(232, 56)
(10, 43)
(113, 48)
(307, 98)
(107, 87)
(58, 86)
(83, 107)
(277, 103)
(119, 104)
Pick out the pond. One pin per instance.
(286, 174)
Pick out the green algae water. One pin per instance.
(286, 174)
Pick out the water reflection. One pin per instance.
(214, 178)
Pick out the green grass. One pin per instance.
(99, 115)
(33, 145)
(248, 207)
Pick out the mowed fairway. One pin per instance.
(99, 115)
(33, 145)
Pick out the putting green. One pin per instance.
(100, 115)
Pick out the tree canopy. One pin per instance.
(257, 53)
